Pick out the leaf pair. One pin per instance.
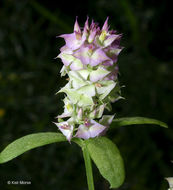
(103, 151)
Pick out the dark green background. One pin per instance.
(29, 79)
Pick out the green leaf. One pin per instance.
(29, 142)
(108, 160)
(136, 120)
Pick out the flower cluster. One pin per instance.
(89, 57)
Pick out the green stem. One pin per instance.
(88, 167)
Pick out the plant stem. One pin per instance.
(88, 167)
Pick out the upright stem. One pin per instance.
(88, 167)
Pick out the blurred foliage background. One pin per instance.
(29, 79)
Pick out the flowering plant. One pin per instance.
(90, 60)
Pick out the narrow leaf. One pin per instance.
(29, 142)
(108, 160)
(136, 120)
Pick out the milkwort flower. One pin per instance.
(90, 61)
